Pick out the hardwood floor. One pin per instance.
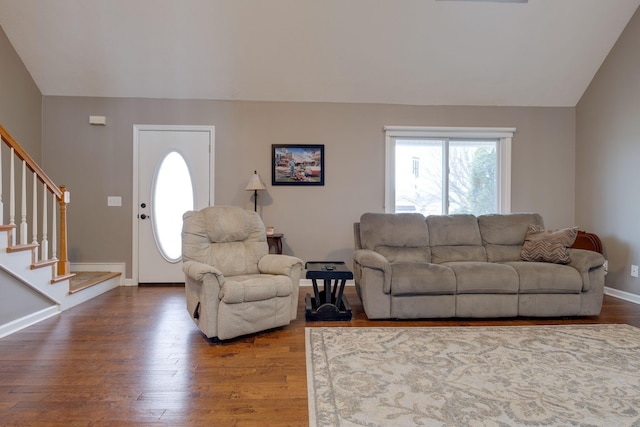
(132, 357)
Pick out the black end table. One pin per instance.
(330, 304)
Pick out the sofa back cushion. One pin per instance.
(455, 238)
(503, 235)
(401, 237)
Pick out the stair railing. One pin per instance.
(58, 195)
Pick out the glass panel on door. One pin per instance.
(172, 197)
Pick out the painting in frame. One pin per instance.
(297, 164)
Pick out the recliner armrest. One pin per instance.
(367, 258)
(584, 260)
(197, 271)
(278, 264)
(371, 259)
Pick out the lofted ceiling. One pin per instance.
(417, 52)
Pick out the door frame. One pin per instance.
(136, 150)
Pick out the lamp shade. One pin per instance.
(255, 183)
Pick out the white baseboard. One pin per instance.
(26, 321)
(627, 296)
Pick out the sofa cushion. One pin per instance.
(547, 278)
(416, 278)
(404, 254)
(484, 278)
(503, 234)
(402, 237)
(548, 246)
(442, 254)
(454, 230)
(455, 238)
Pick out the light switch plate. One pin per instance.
(114, 201)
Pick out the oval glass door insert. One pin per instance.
(172, 197)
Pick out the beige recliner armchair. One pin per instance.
(233, 285)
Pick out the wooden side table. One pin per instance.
(275, 242)
(330, 304)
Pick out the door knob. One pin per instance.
(143, 205)
(143, 216)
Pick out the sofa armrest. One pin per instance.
(367, 258)
(584, 261)
(278, 264)
(197, 271)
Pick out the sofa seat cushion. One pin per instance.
(484, 278)
(417, 278)
(544, 277)
(254, 287)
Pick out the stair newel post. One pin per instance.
(64, 267)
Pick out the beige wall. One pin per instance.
(96, 162)
(608, 158)
(20, 100)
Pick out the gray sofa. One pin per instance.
(407, 266)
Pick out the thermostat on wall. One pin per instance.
(98, 120)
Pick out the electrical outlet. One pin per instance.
(634, 271)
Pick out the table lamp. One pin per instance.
(255, 184)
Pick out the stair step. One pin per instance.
(85, 279)
(20, 248)
(61, 278)
(41, 264)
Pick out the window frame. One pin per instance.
(503, 135)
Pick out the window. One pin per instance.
(172, 197)
(448, 170)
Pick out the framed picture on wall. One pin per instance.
(297, 164)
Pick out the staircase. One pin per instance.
(35, 276)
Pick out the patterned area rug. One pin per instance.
(578, 375)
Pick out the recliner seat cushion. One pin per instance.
(247, 288)
(544, 277)
(484, 278)
(421, 278)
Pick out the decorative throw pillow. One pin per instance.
(548, 246)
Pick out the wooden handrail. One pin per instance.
(23, 155)
(59, 192)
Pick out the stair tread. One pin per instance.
(85, 279)
(18, 248)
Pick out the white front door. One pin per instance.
(173, 173)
